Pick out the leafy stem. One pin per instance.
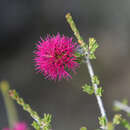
(41, 123)
(88, 63)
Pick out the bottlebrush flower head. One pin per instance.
(54, 57)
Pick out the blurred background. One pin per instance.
(22, 22)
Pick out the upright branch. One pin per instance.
(122, 106)
(76, 32)
(39, 123)
(87, 53)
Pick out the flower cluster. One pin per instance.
(55, 56)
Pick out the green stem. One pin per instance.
(27, 108)
(76, 32)
(9, 104)
(89, 65)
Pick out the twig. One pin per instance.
(14, 95)
(90, 68)
(99, 100)
(122, 106)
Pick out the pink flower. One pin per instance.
(5, 129)
(54, 57)
(18, 126)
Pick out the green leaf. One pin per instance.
(95, 80)
(125, 101)
(115, 108)
(79, 57)
(83, 128)
(47, 121)
(117, 119)
(125, 124)
(102, 121)
(36, 125)
(99, 91)
(88, 89)
(47, 118)
(77, 54)
(110, 126)
(92, 48)
(92, 56)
